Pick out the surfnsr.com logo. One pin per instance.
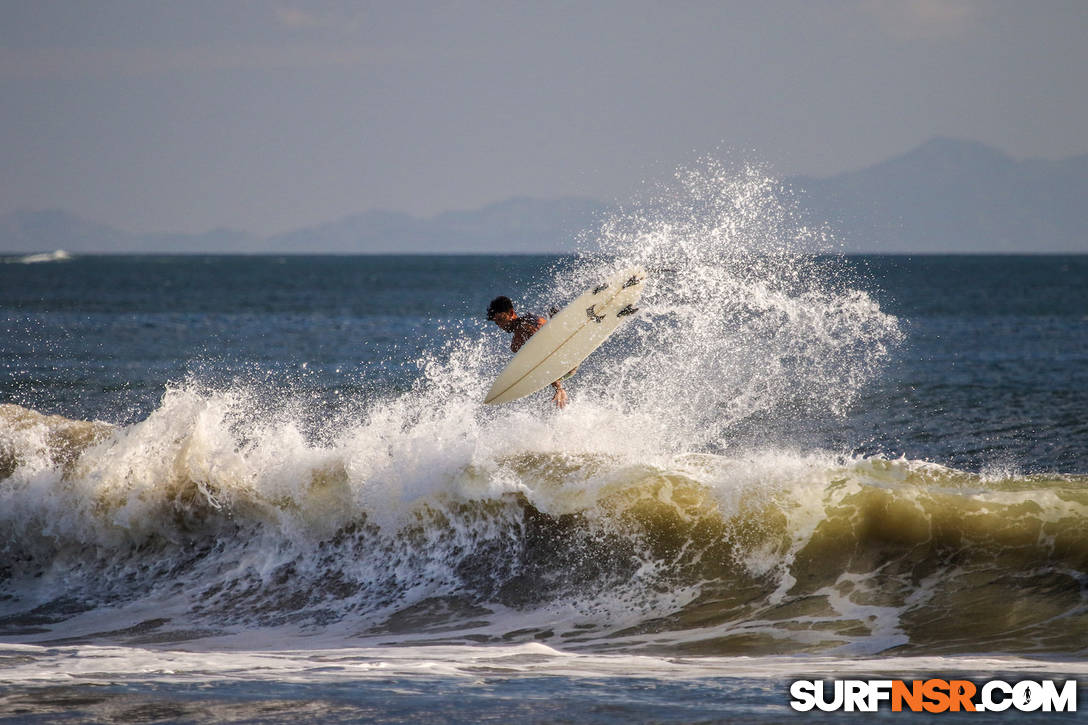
(934, 695)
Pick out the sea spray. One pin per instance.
(746, 332)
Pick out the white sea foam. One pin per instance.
(101, 665)
(58, 255)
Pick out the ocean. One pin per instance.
(264, 489)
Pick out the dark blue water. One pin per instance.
(993, 371)
(995, 365)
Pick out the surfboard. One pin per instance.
(570, 336)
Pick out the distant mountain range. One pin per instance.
(514, 226)
(950, 196)
(944, 196)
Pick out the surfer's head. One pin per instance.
(501, 312)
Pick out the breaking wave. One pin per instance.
(673, 506)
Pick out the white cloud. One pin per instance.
(340, 19)
(297, 18)
(922, 18)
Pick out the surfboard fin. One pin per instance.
(591, 313)
(628, 310)
(600, 288)
(635, 279)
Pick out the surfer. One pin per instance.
(501, 311)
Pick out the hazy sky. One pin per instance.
(267, 116)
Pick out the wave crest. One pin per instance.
(698, 552)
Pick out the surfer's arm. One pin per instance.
(560, 396)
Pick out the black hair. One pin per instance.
(499, 304)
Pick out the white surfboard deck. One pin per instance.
(568, 338)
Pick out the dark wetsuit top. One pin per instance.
(524, 328)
